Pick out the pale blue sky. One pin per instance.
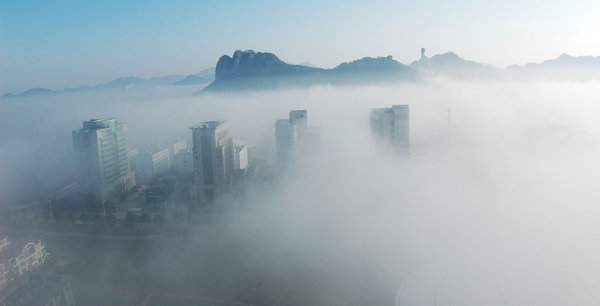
(55, 44)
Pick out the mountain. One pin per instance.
(250, 70)
(564, 67)
(31, 92)
(565, 61)
(205, 76)
(450, 64)
(202, 77)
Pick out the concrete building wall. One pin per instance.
(184, 162)
(102, 158)
(213, 156)
(393, 126)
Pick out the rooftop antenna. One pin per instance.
(297, 102)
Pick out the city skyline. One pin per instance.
(83, 44)
(429, 171)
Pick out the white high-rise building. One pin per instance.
(288, 132)
(241, 157)
(184, 162)
(214, 160)
(149, 164)
(101, 156)
(285, 139)
(175, 147)
(393, 125)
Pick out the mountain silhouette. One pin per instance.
(250, 70)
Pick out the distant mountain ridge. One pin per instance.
(250, 70)
(565, 61)
(203, 77)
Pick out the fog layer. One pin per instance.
(497, 205)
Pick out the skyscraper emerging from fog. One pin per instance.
(393, 125)
(298, 118)
(101, 157)
(214, 160)
(287, 133)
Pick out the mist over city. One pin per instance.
(391, 167)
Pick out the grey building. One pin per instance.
(184, 162)
(392, 125)
(214, 160)
(102, 158)
(148, 164)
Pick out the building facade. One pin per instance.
(175, 147)
(288, 132)
(392, 125)
(213, 159)
(102, 158)
(241, 157)
(149, 164)
(184, 162)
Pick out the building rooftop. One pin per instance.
(208, 124)
(389, 109)
(96, 124)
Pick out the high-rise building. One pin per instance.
(298, 118)
(175, 147)
(214, 160)
(102, 158)
(393, 125)
(184, 162)
(241, 157)
(149, 164)
(288, 132)
(285, 139)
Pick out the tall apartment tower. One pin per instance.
(287, 133)
(213, 160)
(393, 125)
(102, 160)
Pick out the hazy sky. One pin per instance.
(55, 44)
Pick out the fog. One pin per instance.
(497, 204)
